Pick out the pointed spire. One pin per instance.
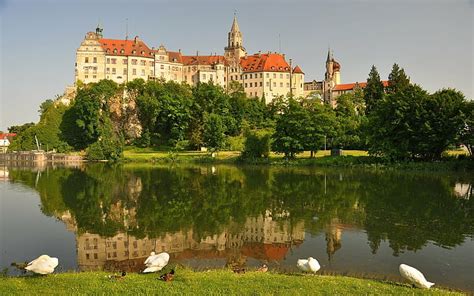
(329, 55)
(235, 25)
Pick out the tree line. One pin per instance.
(399, 121)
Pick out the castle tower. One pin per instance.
(234, 49)
(332, 77)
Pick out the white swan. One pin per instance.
(43, 264)
(414, 276)
(308, 265)
(156, 263)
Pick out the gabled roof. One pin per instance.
(203, 60)
(351, 86)
(118, 47)
(266, 62)
(175, 57)
(297, 70)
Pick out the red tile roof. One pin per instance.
(351, 86)
(204, 60)
(175, 57)
(134, 47)
(265, 251)
(7, 135)
(268, 62)
(297, 70)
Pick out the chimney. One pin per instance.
(136, 39)
(179, 50)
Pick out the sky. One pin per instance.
(431, 39)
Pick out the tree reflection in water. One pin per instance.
(228, 213)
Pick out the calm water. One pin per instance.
(356, 222)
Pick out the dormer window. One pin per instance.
(134, 51)
(122, 50)
(143, 52)
(115, 50)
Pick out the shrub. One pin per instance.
(257, 144)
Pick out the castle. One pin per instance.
(264, 75)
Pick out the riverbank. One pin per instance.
(350, 158)
(218, 282)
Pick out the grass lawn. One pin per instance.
(215, 282)
(150, 154)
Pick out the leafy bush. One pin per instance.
(257, 144)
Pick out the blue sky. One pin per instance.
(432, 40)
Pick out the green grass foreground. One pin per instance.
(215, 282)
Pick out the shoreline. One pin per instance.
(210, 282)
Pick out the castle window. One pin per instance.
(122, 51)
(143, 72)
(210, 77)
(95, 76)
(108, 60)
(134, 71)
(162, 67)
(151, 72)
(114, 61)
(134, 62)
(274, 84)
(115, 50)
(250, 84)
(245, 84)
(268, 75)
(94, 59)
(86, 60)
(114, 71)
(142, 63)
(125, 71)
(281, 84)
(261, 84)
(143, 52)
(288, 76)
(134, 51)
(274, 75)
(287, 84)
(268, 84)
(107, 70)
(250, 75)
(124, 61)
(281, 75)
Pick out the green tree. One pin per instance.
(397, 80)
(467, 132)
(82, 122)
(257, 144)
(214, 130)
(351, 118)
(373, 91)
(412, 124)
(18, 129)
(322, 125)
(291, 129)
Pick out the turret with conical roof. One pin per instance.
(234, 49)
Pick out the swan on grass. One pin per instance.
(156, 262)
(308, 265)
(414, 276)
(43, 265)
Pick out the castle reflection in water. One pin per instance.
(262, 238)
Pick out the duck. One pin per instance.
(263, 268)
(308, 265)
(167, 277)
(238, 270)
(43, 265)
(156, 262)
(414, 276)
(117, 277)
